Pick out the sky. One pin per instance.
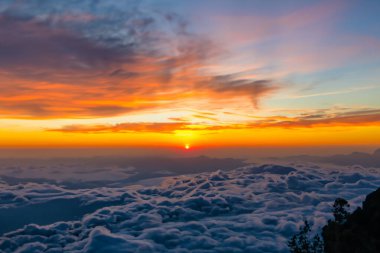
(207, 73)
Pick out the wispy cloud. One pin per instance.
(323, 118)
(165, 127)
(358, 118)
(337, 92)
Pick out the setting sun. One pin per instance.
(187, 146)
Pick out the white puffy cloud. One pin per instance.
(250, 209)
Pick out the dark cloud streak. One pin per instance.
(170, 127)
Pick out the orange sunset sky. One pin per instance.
(197, 73)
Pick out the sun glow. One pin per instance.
(187, 146)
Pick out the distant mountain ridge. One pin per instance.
(355, 158)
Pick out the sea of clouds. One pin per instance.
(248, 209)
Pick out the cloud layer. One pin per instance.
(251, 209)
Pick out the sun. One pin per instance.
(187, 146)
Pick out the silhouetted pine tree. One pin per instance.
(340, 210)
(304, 243)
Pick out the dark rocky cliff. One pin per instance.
(360, 233)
